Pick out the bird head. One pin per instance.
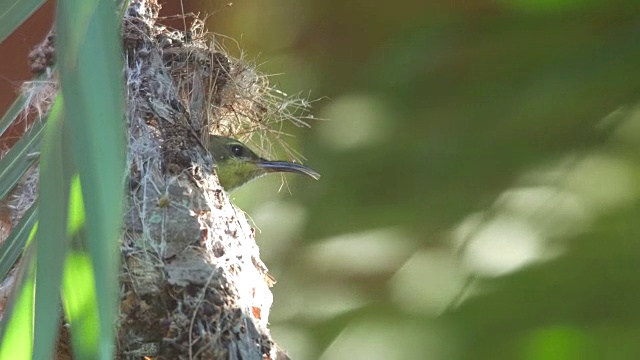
(237, 164)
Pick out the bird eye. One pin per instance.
(237, 150)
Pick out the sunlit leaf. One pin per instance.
(88, 31)
(80, 304)
(76, 220)
(17, 330)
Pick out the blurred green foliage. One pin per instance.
(479, 200)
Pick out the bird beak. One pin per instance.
(284, 166)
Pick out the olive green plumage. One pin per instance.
(237, 164)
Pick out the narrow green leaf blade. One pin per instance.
(78, 284)
(14, 245)
(21, 156)
(17, 328)
(13, 13)
(12, 113)
(56, 169)
(81, 304)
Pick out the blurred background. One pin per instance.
(480, 196)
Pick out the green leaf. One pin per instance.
(20, 158)
(80, 304)
(13, 13)
(13, 246)
(90, 57)
(56, 170)
(76, 221)
(78, 284)
(12, 113)
(17, 329)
